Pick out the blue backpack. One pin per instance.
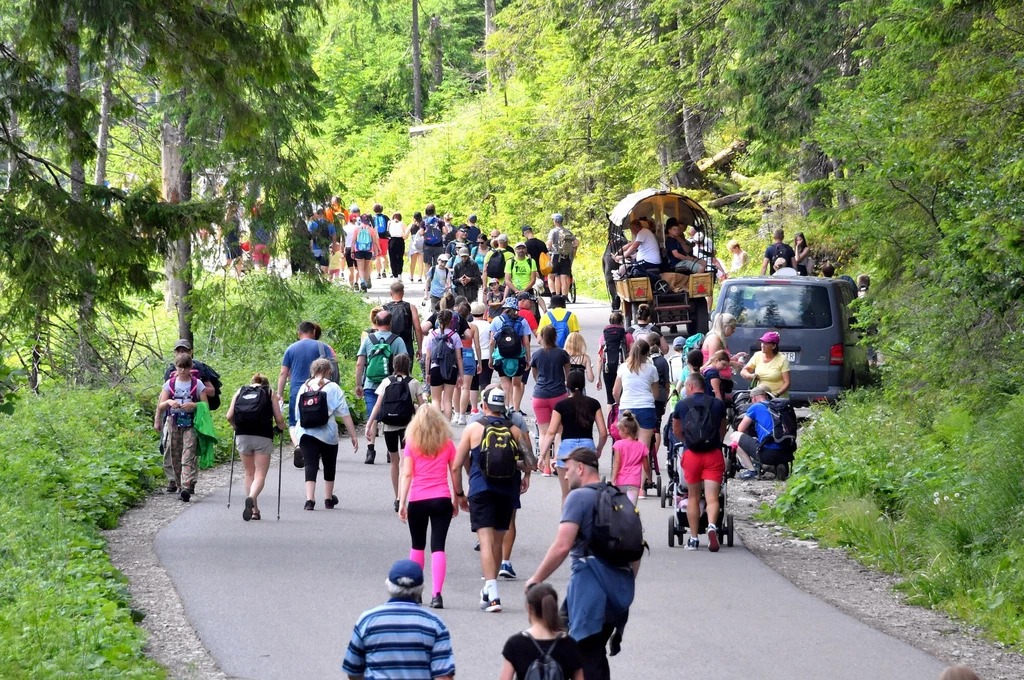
(364, 240)
(561, 328)
(381, 223)
(432, 235)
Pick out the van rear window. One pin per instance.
(768, 305)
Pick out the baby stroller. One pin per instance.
(672, 450)
(678, 522)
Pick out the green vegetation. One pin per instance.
(74, 459)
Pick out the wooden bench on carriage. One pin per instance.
(679, 301)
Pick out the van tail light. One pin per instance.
(835, 355)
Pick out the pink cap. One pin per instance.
(771, 336)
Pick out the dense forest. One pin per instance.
(888, 131)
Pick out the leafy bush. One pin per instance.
(71, 462)
(932, 494)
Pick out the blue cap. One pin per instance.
(406, 573)
(679, 342)
(353, 208)
(471, 219)
(557, 218)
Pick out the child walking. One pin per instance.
(179, 400)
(631, 464)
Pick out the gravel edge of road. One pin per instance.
(866, 594)
(171, 640)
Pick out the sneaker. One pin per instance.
(712, 538)
(546, 473)
(507, 571)
(493, 606)
(309, 505)
(747, 474)
(477, 546)
(455, 419)
(247, 513)
(331, 503)
(437, 602)
(642, 495)
(185, 495)
(692, 543)
(172, 488)
(484, 601)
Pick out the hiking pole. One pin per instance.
(280, 467)
(231, 476)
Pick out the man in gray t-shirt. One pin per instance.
(506, 571)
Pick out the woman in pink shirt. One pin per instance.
(427, 464)
(631, 464)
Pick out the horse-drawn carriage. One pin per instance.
(676, 298)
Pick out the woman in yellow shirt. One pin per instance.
(770, 368)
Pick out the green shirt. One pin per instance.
(520, 271)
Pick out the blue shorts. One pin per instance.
(468, 362)
(646, 418)
(370, 399)
(566, 447)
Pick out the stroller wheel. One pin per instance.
(730, 526)
(663, 500)
(781, 472)
(661, 490)
(671, 532)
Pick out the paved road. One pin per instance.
(277, 600)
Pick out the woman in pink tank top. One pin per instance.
(424, 494)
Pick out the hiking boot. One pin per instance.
(185, 495)
(507, 571)
(371, 455)
(192, 488)
(172, 488)
(437, 602)
(331, 503)
(309, 505)
(692, 543)
(712, 538)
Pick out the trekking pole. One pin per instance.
(280, 467)
(231, 476)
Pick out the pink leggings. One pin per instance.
(543, 408)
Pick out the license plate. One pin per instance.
(791, 357)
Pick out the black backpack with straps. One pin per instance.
(253, 411)
(544, 667)
(614, 347)
(700, 431)
(396, 406)
(618, 533)
(508, 341)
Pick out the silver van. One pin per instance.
(813, 317)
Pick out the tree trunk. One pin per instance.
(489, 11)
(814, 166)
(12, 155)
(103, 136)
(677, 167)
(694, 124)
(417, 74)
(436, 52)
(842, 199)
(73, 88)
(177, 188)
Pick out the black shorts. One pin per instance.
(233, 251)
(659, 411)
(491, 510)
(349, 262)
(360, 255)
(436, 379)
(561, 266)
(322, 260)
(395, 440)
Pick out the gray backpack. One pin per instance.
(544, 667)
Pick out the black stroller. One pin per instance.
(677, 521)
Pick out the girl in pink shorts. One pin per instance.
(631, 464)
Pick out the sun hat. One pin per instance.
(477, 308)
(510, 303)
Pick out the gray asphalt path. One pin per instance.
(277, 600)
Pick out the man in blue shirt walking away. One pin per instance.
(400, 638)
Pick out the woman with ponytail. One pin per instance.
(546, 634)
(574, 418)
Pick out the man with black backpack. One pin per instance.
(374, 362)
(612, 352)
(405, 320)
(433, 236)
(774, 421)
(602, 533)
(699, 422)
(498, 473)
(562, 244)
(510, 350)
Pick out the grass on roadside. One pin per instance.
(933, 494)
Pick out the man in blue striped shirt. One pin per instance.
(400, 639)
